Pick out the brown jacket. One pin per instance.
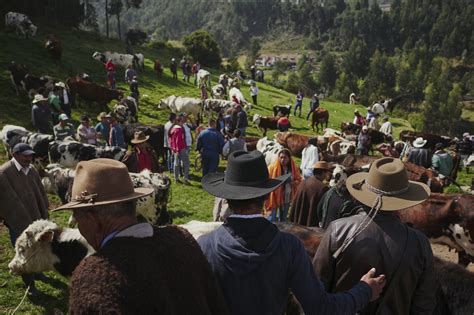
(304, 206)
(381, 245)
(22, 198)
(131, 161)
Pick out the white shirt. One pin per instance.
(187, 135)
(254, 90)
(65, 97)
(18, 166)
(166, 135)
(386, 128)
(309, 157)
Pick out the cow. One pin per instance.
(342, 147)
(265, 122)
(131, 108)
(281, 110)
(20, 23)
(17, 75)
(269, 149)
(446, 219)
(155, 132)
(204, 76)
(38, 85)
(218, 91)
(39, 142)
(158, 67)
(135, 37)
(236, 95)
(251, 143)
(319, 116)
(424, 175)
(69, 153)
(217, 106)
(152, 208)
(92, 92)
(122, 60)
(432, 139)
(44, 246)
(178, 104)
(292, 141)
(54, 47)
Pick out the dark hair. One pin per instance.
(318, 171)
(172, 116)
(287, 153)
(236, 133)
(236, 205)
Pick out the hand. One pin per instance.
(375, 283)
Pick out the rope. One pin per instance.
(21, 302)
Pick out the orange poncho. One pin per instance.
(276, 197)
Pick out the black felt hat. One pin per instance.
(246, 177)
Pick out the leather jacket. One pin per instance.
(403, 254)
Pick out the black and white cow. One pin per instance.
(17, 75)
(69, 153)
(212, 105)
(44, 246)
(20, 23)
(269, 149)
(284, 110)
(39, 142)
(152, 208)
(122, 60)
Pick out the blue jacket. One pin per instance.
(116, 137)
(210, 142)
(256, 265)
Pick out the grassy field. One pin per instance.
(186, 203)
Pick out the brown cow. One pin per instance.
(54, 47)
(264, 123)
(251, 143)
(92, 92)
(292, 141)
(424, 175)
(446, 219)
(408, 135)
(158, 68)
(320, 116)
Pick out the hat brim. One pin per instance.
(138, 193)
(28, 152)
(214, 184)
(420, 145)
(135, 141)
(416, 194)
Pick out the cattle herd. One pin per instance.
(445, 219)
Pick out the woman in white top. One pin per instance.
(85, 133)
(309, 157)
(254, 92)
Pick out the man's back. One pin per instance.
(380, 245)
(162, 274)
(210, 141)
(420, 156)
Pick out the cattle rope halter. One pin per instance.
(372, 213)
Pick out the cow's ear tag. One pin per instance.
(46, 237)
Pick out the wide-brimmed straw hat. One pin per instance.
(419, 142)
(60, 84)
(323, 165)
(139, 137)
(246, 177)
(101, 115)
(39, 98)
(387, 180)
(100, 182)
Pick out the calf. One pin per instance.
(92, 92)
(319, 117)
(445, 219)
(54, 47)
(269, 149)
(20, 23)
(17, 75)
(264, 123)
(44, 246)
(284, 110)
(292, 141)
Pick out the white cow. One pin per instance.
(218, 91)
(340, 147)
(380, 108)
(122, 60)
(198, 228)
(204, 76)
(238, 95)
(269, 149)
(178, 104)
(20, 23)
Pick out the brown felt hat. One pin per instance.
(387, 178)
(102, 181)
(323, 165)
(139, 137)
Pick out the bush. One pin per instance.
(202, 47)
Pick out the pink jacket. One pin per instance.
(176, 140)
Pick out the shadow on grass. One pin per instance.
(179, 213)
(51, 304)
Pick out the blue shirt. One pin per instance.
(210, 142)
(116, 137)
(104, 129)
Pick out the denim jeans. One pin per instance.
(181, 157)
(279, 214)
(210, 162)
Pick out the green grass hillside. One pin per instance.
(187, 202)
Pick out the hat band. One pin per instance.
(86, 197)
(244, 183)
(385, 193)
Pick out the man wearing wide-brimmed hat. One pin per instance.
(137, 268)
(420, 155)
(255, 264)
(379, 239)
(142, 156)
(22, 198)
(309, 193)
(103, 127)
(41, 114)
